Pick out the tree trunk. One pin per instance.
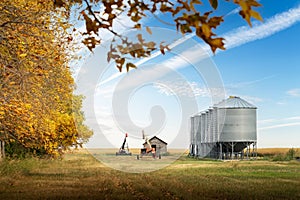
(2, 150)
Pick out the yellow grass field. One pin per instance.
(277, 150)
(80, 176)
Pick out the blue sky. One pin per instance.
(261, 65)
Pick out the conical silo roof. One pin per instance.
(234, 102)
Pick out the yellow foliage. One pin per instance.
(36, 86)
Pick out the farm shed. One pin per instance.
(226, 130)
(159, 145)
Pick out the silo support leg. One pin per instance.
(231, 150)
(220, 151)
(247, 151)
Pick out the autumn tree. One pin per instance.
(37, 111)
(186, 16)
(36, 86)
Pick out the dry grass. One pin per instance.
(274, 151)
(81, 176)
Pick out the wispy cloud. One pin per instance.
(281, 103)
(271, 26)
(278, 123)
(234, 11)
(247, 83)
(235, 38)
(144, 60)
(294, 92)
(240, 36)
(293, 118)
(181, 88)
(266, 121)
(279, 126)
(186, 88)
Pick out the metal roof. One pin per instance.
(234, 102)
(154, 137)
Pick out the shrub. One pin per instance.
(290, 155)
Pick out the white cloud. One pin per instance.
(294, 118)
(279, 126)
(233, 39)
(294, 92)
(159, 70)
(153, 55)
(266, 121)
(281, 103)
(271, 26)
(247, 83)
(234, 11)
(279, 123)
(181, 88)
(186, 88)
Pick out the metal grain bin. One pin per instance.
(192, 138)
(225, 130)
(240, 120)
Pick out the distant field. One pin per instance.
(277, 150)
(80, 176)
(185, 151)
(137, 150)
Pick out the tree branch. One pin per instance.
(13, 22)
(93, 14)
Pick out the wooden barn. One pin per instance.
(159, 145)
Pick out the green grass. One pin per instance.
(80, 176)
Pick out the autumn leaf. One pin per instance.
(23, 55)
(194, 2)
(255, 15)
(149, 30)
(206, 30)
(137, 26)
(214, 3)
(130, 65)
(216, 43)
(91, 42)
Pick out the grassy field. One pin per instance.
(80, 176)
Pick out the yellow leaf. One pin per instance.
(137, 26)
(149, 30)
(255, 15)
(216, 43)
(206, 30)
(214, 3)
(23, 55)
(244, 5)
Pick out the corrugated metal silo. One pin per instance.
(240, 121)
(226, 129)
(192, 139)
